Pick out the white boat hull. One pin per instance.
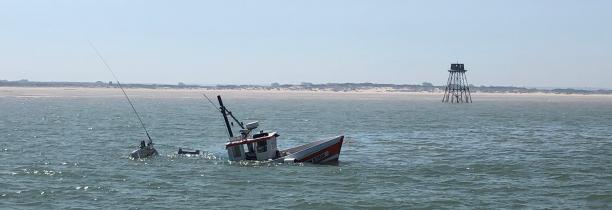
(323, 151)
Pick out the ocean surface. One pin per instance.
(402, 151)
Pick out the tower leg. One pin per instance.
(467, 85)
(447, 89)
(457, 88)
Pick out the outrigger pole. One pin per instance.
(226, 112)
(223, 112)
(124, 93)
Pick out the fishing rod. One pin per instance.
(124, 93)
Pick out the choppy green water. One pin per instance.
(400, 152)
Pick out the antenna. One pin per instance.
(124, 93)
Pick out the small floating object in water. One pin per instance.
(183, 152)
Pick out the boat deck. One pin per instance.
(300, 148)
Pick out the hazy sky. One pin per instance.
(520, 43)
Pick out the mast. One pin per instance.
(224, 113)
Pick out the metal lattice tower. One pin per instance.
(457, 88)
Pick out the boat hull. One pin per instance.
(143, 153)
(318, 152)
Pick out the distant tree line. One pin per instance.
(339, 87)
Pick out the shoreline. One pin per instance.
(197, 92)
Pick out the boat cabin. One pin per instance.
(261, 146)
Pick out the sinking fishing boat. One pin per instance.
(261, 146)
(145, 150)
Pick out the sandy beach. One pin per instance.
(277, 93)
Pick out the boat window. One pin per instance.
(262, 146)
(250, 147)
(237, 151)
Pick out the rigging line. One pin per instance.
(121, 87)
(212, 103)
(225, 110)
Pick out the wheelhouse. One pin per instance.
(261, 146)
